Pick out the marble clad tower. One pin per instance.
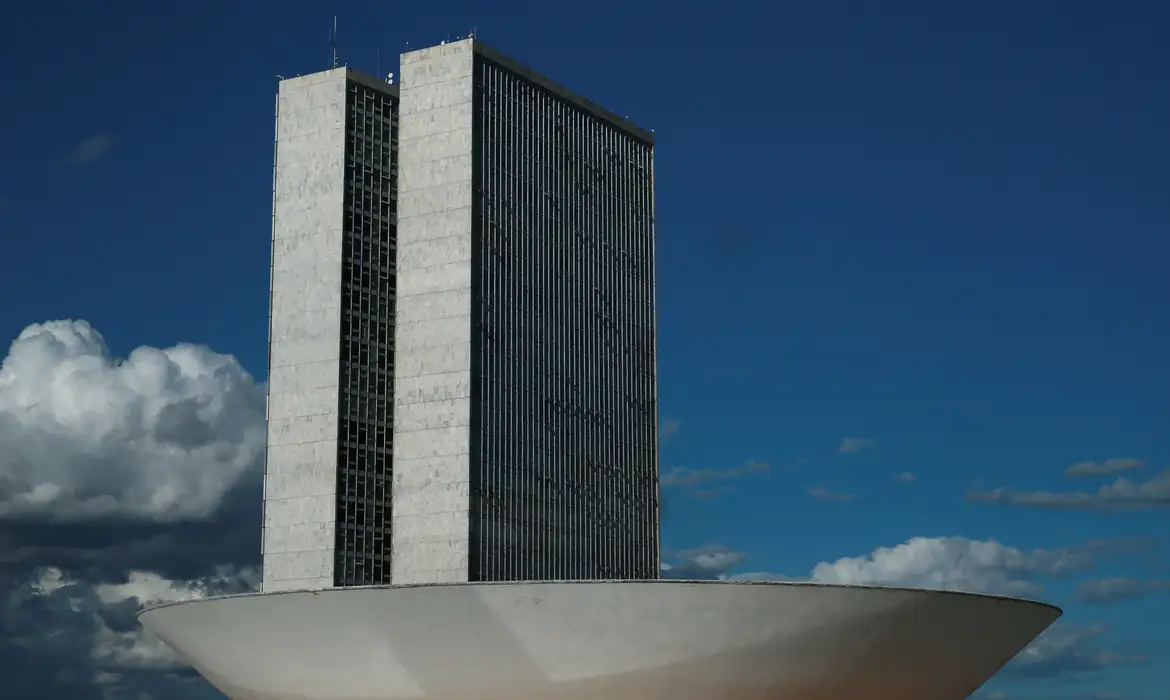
(462, 380)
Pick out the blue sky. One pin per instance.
(903, 238)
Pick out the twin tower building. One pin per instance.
(462, 349)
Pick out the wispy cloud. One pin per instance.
(687, 477)
(905, 477)
(1114, 590)
(1106, 468)
(823, 494)
(668, 429)
(1122, 494)
(710, 562)
(852, 445)
(91, 149)
(1070, 649)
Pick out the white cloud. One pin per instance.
(161, 435)
(50, 580)
(1113, 590)
(906, 477)
(122, 482)
(941, 563)
(1106, 468)
(955, 563)
(1070, 648)
(131, 649)
(149, 588)
(959, 564)
(712, 561)
(852, 445)
(1121, 494)
(685, 476)
(115, 649)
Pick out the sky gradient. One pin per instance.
(912, 279)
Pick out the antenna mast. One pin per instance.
(333, 42)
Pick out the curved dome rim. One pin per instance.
(665, 582)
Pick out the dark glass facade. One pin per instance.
(564, 461)
(367, 337)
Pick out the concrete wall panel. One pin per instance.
(296, 510)
(300, 476)
(443, 224)
(435, 251)
(433, 317)
(435, 333)
(435, 415)
(436, 305)
(432, 387)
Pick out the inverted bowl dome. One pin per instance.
(599, 640)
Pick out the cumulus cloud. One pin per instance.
(1114, 590)
(906, 477)
(957, 564)
(91, 627)
(823, 494)
(123, 482)
(940, 563)
(1106, 468)
(851, 445)
(687, 477)
(161, 435)
(136, 648)
(148, 588)
(1122, 494)
(72, 636)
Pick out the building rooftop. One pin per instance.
(552, 86)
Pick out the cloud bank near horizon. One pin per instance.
(136, 480)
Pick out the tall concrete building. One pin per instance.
(462, 353)
(327, 485)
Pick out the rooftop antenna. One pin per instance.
(333, 41)
(471, 34)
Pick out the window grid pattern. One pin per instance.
(564, 449)
(363, 547)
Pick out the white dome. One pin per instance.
(600, 641)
